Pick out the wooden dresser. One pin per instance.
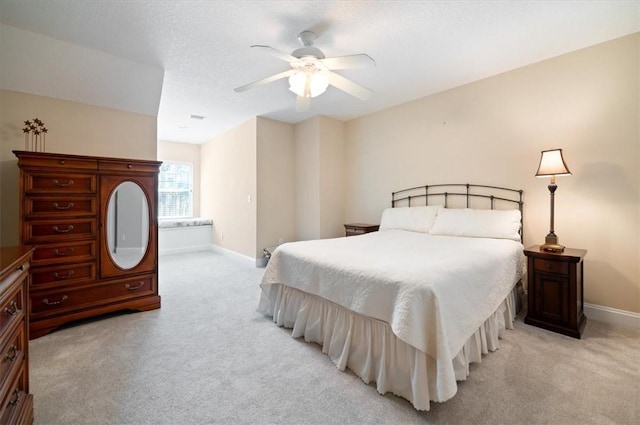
(93, 222)
(17, 403)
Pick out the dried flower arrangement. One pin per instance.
(34, 135)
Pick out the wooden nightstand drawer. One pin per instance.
(550, 266)
(355, 229)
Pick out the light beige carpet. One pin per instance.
(207, 357)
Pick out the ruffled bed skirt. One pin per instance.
(372, 351)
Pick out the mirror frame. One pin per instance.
(148, 262)
(118, 211)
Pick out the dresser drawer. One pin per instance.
(54, 301)
(68, 252)
(51, 183)
(12, 307)
(42, 231)
(541, 265)
(128, 166)
(62, 275)
(38, 160)
(13, 404)
(59, 206)
(11, 354)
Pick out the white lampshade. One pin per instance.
(308, 84)
(552, 164)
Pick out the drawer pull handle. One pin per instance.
(12, 353)
(133, 288)
(63, 276)
(67, 230)
(12, 310)
(63, 253)
(129, 166)
(16, 395)
(47, 302)
(67, 184)
(58, 207)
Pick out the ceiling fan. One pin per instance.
(311, 72)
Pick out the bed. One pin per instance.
(411, 306)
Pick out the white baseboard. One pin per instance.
(183, 250)
(225, 251)
(613, 316)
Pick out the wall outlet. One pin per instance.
(122, 237)
(280, 241)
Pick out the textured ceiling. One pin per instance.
(420, 48)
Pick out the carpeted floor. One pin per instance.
(208, 357)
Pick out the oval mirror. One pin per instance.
(127, 227)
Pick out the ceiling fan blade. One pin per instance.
(348, 86)
(302, 103)
(277, 53)
(273, 78)
(347, 62)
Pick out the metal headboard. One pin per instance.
(431, 194)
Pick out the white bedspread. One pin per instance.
(434, 291)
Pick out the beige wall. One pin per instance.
(247, 185)
(319, 174)
(492, 132)
(184, 152)
(307, 172)
(74, 128)
(228, 187)
(331, 178)
(275, 184)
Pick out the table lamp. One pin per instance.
(551, 165)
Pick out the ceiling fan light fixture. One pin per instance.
(318, 84)
(298, 82)
(308, 83)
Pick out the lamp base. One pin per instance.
(552, 248)
(551, 243)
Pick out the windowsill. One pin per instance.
(164, 223)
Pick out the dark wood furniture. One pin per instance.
(71, 209)
(555, 295)
(354, 229)
(17, 403)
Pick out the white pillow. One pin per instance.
(415, 219)
(498, 224)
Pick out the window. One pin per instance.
(175, 189)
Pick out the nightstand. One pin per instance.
(555, 290)
(354, 229)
